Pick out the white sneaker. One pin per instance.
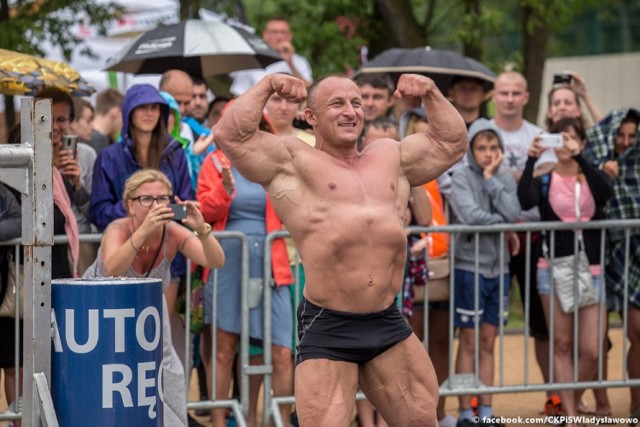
(447, 421)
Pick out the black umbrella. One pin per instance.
(200, 48)
(440, 65)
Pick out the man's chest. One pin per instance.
(359, 184)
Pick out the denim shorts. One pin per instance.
(488, 300)
(543, 282)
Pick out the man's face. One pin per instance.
(280, 111)
(375, 102)
(510, 96)
(60, 118)
(199, 103)
(563, 103)
(276, 32)
(336, 112)
(485, 149)
(467, 94)
(625, 137)
(83, 125)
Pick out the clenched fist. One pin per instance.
(413, 85)
(288, 87)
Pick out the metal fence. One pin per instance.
(468, 384)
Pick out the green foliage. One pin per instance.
(475, 28)
(35, 21)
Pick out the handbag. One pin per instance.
(8, 306)
(439, 274)
(573, 270)
(438, 280)
(569, 271)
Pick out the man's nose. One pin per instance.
(349, 110)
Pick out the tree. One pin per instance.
(24, 26)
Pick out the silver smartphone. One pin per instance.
(70, 142)
(551, 140)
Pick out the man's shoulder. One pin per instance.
(86, 154)
(530, 127)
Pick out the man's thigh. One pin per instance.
(325, 392)
(402, 384)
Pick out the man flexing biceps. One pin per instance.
(344, 210)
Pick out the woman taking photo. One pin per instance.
(143, 244)
(572, 180)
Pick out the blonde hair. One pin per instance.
(140, 177)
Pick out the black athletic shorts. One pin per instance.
(347, 337)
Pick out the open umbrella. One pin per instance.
(439, 65)
(201, 48)
(22, 74)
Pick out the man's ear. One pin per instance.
(310, 117)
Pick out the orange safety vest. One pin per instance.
(439, 242)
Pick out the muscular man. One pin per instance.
(344, 210)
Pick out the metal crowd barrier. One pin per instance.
(468, 384)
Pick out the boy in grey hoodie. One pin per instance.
(481, 195)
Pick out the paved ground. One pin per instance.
(529, 405)
(512, 405)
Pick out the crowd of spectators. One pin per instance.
(506, 177)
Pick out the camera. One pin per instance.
(70, 142)
(179, 211)
(562, 78)
(551, 140)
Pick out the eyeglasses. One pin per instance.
(147, 201)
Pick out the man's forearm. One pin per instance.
(444, 120)
(242, 119)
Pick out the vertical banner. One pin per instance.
(106, 355)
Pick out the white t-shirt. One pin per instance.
(516, 150)
(243, 80)
(516, 147)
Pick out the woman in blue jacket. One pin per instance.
(145, 144)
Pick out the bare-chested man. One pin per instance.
(344, 210)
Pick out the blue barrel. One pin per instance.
(107, 352)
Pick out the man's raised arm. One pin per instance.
(425, 156)
(258, 155)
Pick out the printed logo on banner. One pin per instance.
(117, 377)
(107, 355)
